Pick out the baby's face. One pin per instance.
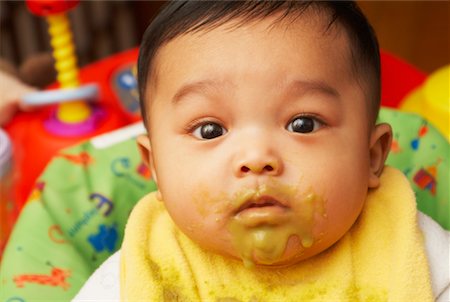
(259, 139)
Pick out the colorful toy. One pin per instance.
(83, 104)
(98, 192)
(432, 100)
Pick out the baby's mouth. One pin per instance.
(262, 210)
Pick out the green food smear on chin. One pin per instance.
(264, 240)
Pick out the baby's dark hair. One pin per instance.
(181, 17)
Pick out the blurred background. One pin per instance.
(417, 31)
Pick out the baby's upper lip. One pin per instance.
(261, 201)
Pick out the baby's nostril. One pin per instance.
(268, 168)
(245, 169)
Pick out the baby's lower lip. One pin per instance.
(267, 215)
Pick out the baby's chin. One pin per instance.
(294, 253)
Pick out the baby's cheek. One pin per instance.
(341, 214)
(209, 205)
(196, 213)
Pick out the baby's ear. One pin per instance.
(145, 149)
(380, 144)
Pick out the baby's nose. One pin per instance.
(258, 161)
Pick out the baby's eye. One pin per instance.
(209, 131)
(303, 124)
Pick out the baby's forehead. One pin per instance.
(271, 52)
(277, 26)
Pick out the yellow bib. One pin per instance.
(382, 258)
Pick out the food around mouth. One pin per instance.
(261, 227)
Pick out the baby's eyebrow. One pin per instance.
(304, 86)
(200, 87)
(298, 87)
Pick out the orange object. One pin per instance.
(82, 159)
(57, 277)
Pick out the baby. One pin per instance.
(262, 139)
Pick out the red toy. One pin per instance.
(398, 78)
(45, 8)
